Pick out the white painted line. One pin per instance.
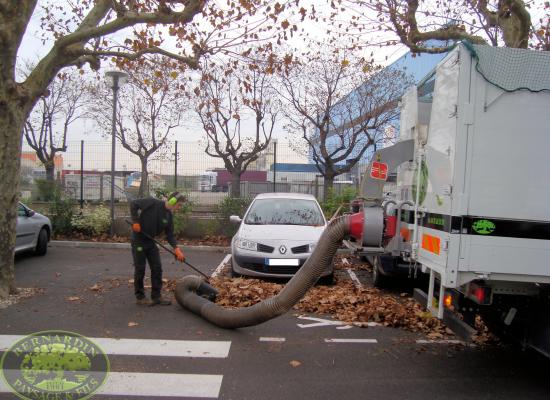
(219, 269)
(155, 385)
(319, 322)
(351, 341)
(149, 347)
(441, 341)
(355, 279)
(272, 339)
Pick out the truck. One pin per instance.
(470, 207)
(218, 180)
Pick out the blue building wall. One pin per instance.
(417, 67)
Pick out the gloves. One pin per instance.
(136, 227)
(179, 254)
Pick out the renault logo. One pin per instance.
(282, 249)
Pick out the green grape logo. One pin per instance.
(483, 226)
(54, 364)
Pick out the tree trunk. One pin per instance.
(144, 184)
(50, 171)
(236, 183)
(12, 119)
(328, 186)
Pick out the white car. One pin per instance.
(277, 235)
(33, 231)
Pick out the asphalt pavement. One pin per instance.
(168, 353)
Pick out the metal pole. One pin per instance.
(113, 143)
(275, 166)
(176, 166)
(81, 174)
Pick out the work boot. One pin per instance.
(143, 302)
(160, 301)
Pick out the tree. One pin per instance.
(509, 23)
(47, 127)
(341, 107)
(150, 107)
(87, 32)
(225, 101)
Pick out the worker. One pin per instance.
(152, 216)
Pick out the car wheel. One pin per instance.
(42, 243)
(326, 280)
(378, 280)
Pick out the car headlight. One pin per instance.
(247, 245)
(311, 247)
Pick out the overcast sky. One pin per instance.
(32, 50)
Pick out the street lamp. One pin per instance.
(115, 79)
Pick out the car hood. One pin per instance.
(281, 232)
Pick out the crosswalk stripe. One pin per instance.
(149, 347)
(155, 385)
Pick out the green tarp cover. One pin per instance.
(512, 69)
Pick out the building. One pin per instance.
(416, 66)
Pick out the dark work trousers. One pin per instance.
(144, 249)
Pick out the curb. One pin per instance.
(107, 245)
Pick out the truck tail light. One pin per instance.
(480, 294)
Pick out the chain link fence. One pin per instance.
(83, 172)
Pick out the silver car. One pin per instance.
(33, 231)
(277, 235)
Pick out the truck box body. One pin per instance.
(485, 176)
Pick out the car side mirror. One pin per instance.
(30, 213)
(235, 219)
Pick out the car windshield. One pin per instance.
(282, 211)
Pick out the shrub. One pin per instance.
(47, 190)
(231, 206)
(333, 201)
(94, 221)
(60, 212)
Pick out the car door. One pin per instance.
(25, 231)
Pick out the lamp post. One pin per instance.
(116, 79)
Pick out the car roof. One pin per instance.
(300, 196)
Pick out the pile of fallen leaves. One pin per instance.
(344, 301)
(350, 262)
(20, 294)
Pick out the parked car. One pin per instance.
(277, 235)
(33, 231)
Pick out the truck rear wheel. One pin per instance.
(378, 279)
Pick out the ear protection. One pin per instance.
(172, 201)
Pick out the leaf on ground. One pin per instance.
(131, 324)
(295, 363)
(72, 298)
(95, 287)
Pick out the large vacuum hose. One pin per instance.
(293, 291)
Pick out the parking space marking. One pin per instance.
(272, 339)
(354, 278)
(342, 340)
(149, 347)
(220, 267)
(441, 341)
(155, 385)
